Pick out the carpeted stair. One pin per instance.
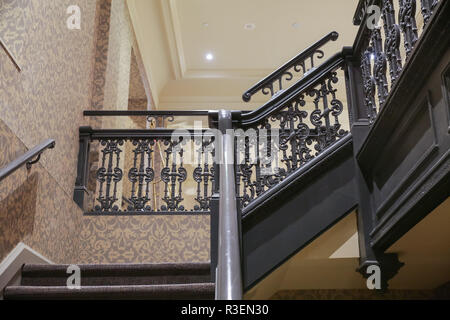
(115, 281)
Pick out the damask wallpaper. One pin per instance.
(46, 99)
(65, 72)
(34, 209)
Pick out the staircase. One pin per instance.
(390, 162)
(115, 281)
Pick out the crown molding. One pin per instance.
(174, 38)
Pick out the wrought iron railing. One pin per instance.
(290, 131)
(27, 158)
(275, 83)
(145, 171)
(385, 48)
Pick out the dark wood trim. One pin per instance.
(317, 164)
(145, 133)
(427, 193)
(298, 214)
(405, 182)
(446, 91)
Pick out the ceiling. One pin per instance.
(174, 37)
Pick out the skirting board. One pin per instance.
(11, 266)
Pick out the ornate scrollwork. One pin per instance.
(173, 176)
(141, 190)
(379, 66)
(303, 133)
(392, 40)
(427, 9)
(380, 55)
(407, 21)
(141, 173)
(369, 86)
(204, 174)
(159, 121)
(109, 175)
(302, 64)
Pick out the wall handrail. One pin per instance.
(27, 158)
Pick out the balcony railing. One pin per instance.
(386, 46)
(148, 171)
(282, 136)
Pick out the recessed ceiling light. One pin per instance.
(209, 56)
(296, 25)
(249, 26)
(205, 24)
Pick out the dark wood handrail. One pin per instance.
(27, 158)
(98, 134)
(306, 82)
(125, 113)
(305, 54)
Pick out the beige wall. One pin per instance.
(44, 100)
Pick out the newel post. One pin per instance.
(81, 181)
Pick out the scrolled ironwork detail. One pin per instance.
(148, 160)
(204, 173)
(141, 175)
(159, 121)
(302, 64)
(173, 176)
(392, 40)
(109, 175)
(284, 141)
(382, 56)
(407, 21)
(368, 86)
(427, 9)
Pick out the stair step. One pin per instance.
(201, 291)
(118, 274)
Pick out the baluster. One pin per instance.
(392, 42)
(369, 86)
(302, 132)
(407, 21)
(109, 175)
(336, 108)
(143, 157)
(170, 176)
(204, 175)
(379, 66)
(427, 9)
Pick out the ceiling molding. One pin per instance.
(174, 38)
(227, 73)
(139, 38)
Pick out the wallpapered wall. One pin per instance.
(135, 239)
(44, 100)
(63, 73)
(34, 209)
